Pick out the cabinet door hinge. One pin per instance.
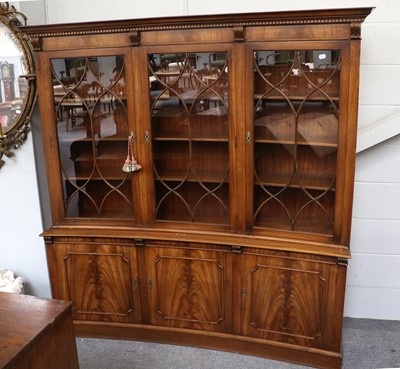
(342, 262)
(139, 242)
(236, 249)
(48, 239)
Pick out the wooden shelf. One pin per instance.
(201, 219)
(84, 197)
(207, 203)
(85, 176)
(284, 97)
(284, 224)
(311, 213)
(113, 138)
(105, 213)
(314, 125)
(288, 142)
(194, 138)
(200, 176)
(307, 181)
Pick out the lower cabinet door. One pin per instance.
(295, 299)
(98, 277)
(187, 286)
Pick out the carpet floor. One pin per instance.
(367, 344)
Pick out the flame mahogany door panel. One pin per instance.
(99, 277)
(188, 287)
(291, 298)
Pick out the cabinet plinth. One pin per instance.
(230, 227)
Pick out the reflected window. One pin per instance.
(13, 87)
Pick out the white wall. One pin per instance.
(21, 248)
(374, 271)
(373, 285)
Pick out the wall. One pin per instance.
(374, 271)
(374, 275)
(373, 285)
(21, 248)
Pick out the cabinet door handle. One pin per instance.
(150, 284)
(136, 282)
(244, 292)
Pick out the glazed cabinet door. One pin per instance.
(88, 101)
(189, 287)
(297, 139)
(190, 135)
(100, 277)
(294, 299)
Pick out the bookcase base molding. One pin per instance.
(220, 342)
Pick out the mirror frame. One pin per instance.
(13, 138)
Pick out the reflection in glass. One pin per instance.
(92, 126)
(13, 86)
(296, 117)
(189, 109)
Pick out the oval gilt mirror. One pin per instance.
(17, 81)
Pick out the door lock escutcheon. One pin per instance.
(248, 137)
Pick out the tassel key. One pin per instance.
(130, 164)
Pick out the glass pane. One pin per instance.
(92, 127)
(189, 108)
(296, 112)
